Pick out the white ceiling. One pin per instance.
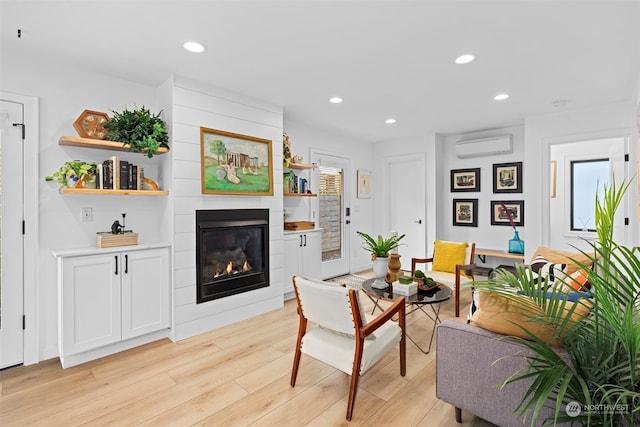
(385, 58)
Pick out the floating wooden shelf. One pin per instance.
(301, 166)
(299, 195)
(114, 192)
(72, 141)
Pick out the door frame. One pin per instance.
(630, 201)
(346, 196)
(31, 217)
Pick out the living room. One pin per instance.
(56, 92)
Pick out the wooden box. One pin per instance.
(109, 240)
(299, 225)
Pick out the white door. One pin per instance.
(407, 206)
(333, 197)
(11, 237)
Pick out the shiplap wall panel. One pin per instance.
(195, 106)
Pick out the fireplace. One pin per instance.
(232, 252)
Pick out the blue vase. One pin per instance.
(516, 246)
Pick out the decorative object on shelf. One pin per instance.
(143, 131)
(118, 236)
(500, 212)
(297, 159)
(465, 212)
(235, 164)
(507, 177)
(516, 246)
(286, 150)
(90, 124)
(380, 250)
(364, 184)
(71, 172)
(465, 180)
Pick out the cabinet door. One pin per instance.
(292, 260)
(145, 291)
(312, 254)
(89, 289)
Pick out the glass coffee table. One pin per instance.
(432, 297)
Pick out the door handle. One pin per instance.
(347, 222)
(418, 221)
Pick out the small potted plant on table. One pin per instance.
(380, 249)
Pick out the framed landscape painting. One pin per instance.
(235, 164)
(465, 180)
(465, 212)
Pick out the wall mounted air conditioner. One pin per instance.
(488, 146)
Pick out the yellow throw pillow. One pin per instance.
(446, 255)
(503, 316)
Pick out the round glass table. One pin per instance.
(376, 290)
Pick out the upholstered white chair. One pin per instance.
(343, 336)
(452, 265)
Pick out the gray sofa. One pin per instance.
(470, 362)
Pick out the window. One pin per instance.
(587, 178)
(331, 212)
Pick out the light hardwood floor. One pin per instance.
(234, 376)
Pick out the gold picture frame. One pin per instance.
(235, 164)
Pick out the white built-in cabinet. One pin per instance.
(302, 256)
(111, 299)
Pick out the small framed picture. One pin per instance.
(465, 180)
(502, 213)
(465, 212)
(364, 184)
(507, 177)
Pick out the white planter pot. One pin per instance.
(380, 267)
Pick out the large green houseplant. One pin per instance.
(140, 129)
(597, 380)
(380, 249)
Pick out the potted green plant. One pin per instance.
(72, 171)
(139, 129)
(595, 379)
(380, 249)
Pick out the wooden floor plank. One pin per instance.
(237, 375)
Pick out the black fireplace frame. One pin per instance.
(230, 218)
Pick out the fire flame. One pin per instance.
(245, 266)
(230, 268)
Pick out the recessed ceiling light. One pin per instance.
(390, 121)
(501, 96)
(465, 59)
(335, 100)
(194, 47)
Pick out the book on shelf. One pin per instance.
(123, 179)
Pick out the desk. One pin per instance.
(433, 297)
(496, 253)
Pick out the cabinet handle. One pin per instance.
(126, 264)
(301, 240)
(305, 240)
(116, 257)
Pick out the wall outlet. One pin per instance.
(86, 215)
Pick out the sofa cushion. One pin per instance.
(542, 268)
(504, 316)
(446, 255)
(563, 257)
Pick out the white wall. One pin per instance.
(305, 139)
(485, 235)
(64, 93)
(196, 105)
